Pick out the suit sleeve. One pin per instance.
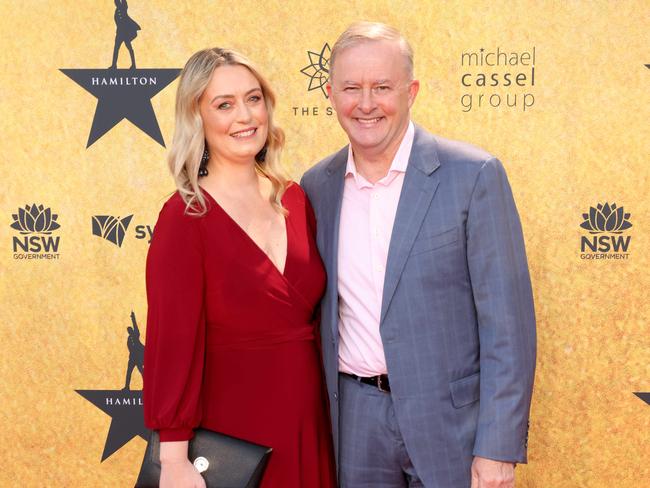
(304, 184)
(175, 341)
(506, 317)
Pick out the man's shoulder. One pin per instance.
(320, 168)
(462, 163)
(450, 151)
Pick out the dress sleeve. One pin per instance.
(175, 337)
(311, 217)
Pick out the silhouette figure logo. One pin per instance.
(318, 69)
(113, 229)
(123, 93)
(124, 406)
(136, 352)
(126, 30)
(606, 218)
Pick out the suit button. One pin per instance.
(336, 396)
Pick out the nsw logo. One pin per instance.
(35, 223)
(606, 224)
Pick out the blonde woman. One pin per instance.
(233, 282)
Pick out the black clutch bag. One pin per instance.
(223, 461)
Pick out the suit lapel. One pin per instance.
(333, 183)
(420, 184)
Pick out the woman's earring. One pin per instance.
(203, 169)
(261, 156)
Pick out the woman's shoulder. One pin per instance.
(294, 191)
(175, 227)
(175, 212)
(174, 206)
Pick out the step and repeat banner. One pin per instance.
(557, 90)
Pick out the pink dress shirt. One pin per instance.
(367, 216)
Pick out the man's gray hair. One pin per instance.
(361, 32)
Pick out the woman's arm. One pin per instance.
(175, 340)
(177, 470)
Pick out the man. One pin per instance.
(428, 324)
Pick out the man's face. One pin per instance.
(371, 92)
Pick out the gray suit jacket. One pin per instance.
(457, 317)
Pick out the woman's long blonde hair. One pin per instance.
(189, 140)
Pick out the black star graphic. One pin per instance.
(318, 69)
(123, 94)
(643, 396)
(125, 409)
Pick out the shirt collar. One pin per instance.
(399, 164)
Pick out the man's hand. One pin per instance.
(487, 473)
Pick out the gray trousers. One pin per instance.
(372, 452)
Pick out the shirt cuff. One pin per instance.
(171, 435)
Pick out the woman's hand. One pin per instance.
(176, 469)
(180, 474)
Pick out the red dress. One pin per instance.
(232, 343)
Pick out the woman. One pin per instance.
(126, 30)
(233, 280)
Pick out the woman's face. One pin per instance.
(235, 119)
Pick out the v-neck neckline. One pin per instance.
(251, 240)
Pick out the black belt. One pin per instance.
(379, 381)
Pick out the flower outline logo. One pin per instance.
(606, 218)
(35, 219)
(318, 69)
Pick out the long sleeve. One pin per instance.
(311, 217)
(311, 228)
(175, 340)
(506, 317)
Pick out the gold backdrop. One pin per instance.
(576, 138)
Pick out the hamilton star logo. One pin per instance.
(318, 69)
(123, 93)
(643, 396)
(123, 406)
